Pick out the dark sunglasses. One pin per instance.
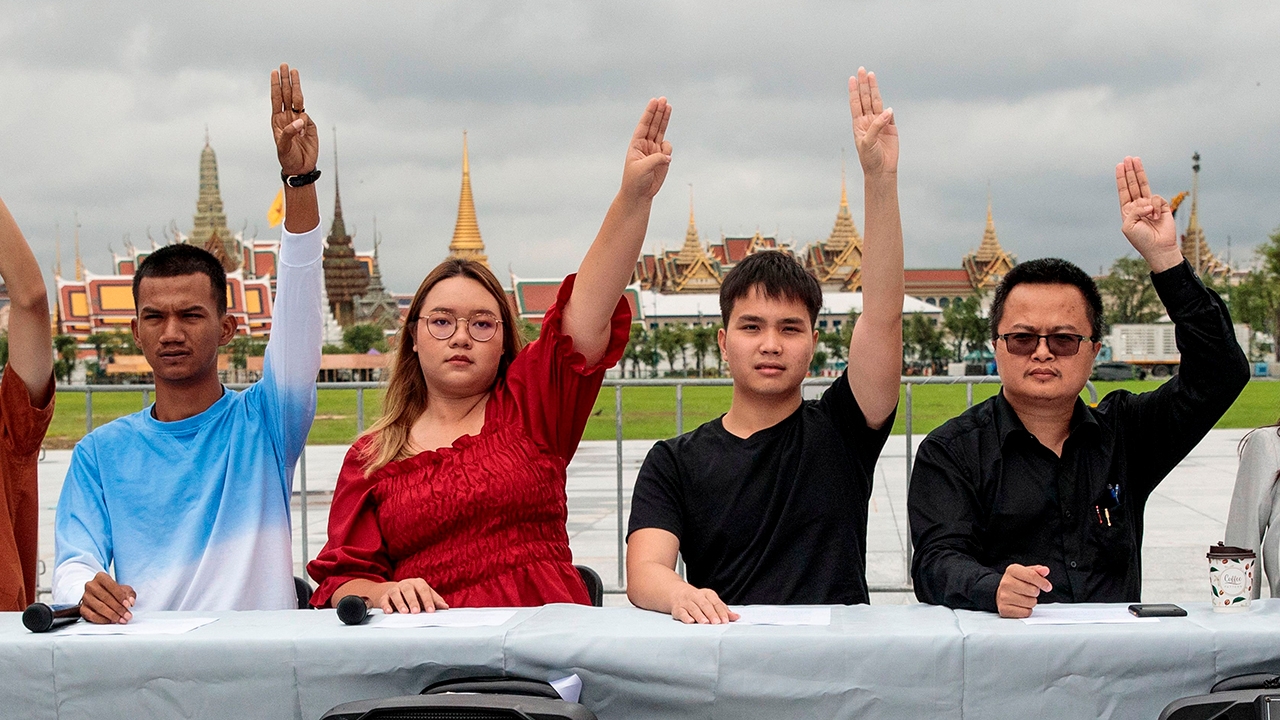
(1060, 344)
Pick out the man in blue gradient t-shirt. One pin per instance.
(185, 505)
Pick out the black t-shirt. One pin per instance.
(776, 518)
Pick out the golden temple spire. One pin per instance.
(988, 265)
(990, 248)
(692, 248)
(844, 233)
(467, 242)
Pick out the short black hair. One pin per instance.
(777, 275)
(183, 259)
(1050, 271)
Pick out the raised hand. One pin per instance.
(297, 142)
(874, 131)
(1147, 219)
(649, 155)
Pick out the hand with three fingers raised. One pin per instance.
(1147, 219)
(874, 131)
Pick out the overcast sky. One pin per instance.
(103, 113)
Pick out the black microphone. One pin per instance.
(353, 610)
(39, 617)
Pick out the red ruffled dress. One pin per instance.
(482, 521)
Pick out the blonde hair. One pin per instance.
(406, 395)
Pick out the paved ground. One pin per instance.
(1186, 514)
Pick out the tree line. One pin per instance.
(1129, 297)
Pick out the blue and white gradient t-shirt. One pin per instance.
(194, 514)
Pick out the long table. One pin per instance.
(870, 662)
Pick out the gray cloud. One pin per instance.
(102, 112)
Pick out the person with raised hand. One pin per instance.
(26, 408)
(188, 500)
(768, 503)
(455, 497)
(1033, 496)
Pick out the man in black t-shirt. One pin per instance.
(768, 503)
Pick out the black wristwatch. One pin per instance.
(300, 180)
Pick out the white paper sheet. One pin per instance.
(462, 617)
(781, 615)
(1067, 614)
(139, 625)
(569, 688)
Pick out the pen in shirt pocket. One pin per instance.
(1113, 501)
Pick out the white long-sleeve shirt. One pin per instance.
(194, 514)
(1254, 519)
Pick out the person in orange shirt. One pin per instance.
(26, 407)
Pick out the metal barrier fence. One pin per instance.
(617, 384)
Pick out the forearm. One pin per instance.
(301, 208)
(882, 263)
(875, 347)
(954, 580)
(30, 340)
(653, 585)
(605, 272)
(1213, 367)
(373, 592)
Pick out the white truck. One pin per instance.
(1152, 346)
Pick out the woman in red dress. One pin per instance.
(456, 496)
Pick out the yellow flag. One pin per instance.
(276, 214)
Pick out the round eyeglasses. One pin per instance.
(481, 325)
(1060, 344)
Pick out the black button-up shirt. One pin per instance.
(985, 493)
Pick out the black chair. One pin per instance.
(475, 698)
(303, 590)
(595, 586)
(1244, 697)
(460, 707)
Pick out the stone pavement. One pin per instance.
(1186, 514)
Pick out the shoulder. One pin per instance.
(1115, 400)
(118, 432)
(1261, 444)
(685, 450)
(964, 428)
(358, 455)
(973, 422)
(121, 435)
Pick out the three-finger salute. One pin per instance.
(874, 132)
(1147, 219)
(297, 142)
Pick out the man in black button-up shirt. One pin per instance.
(1033, 496)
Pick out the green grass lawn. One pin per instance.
(647, 412)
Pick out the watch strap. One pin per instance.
(300, 180)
